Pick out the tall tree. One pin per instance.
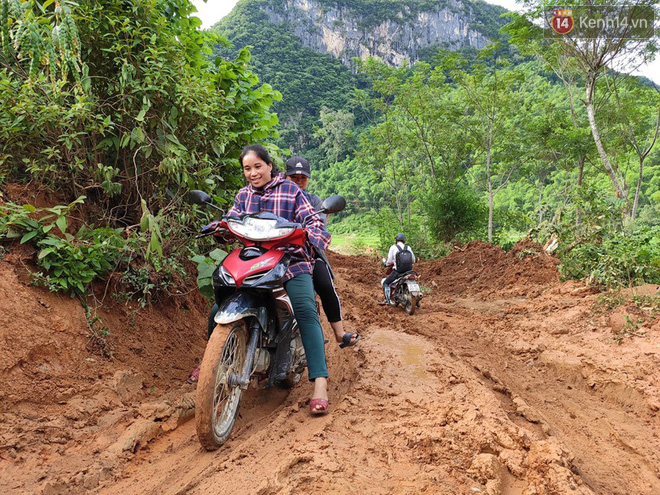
(336, 134)
(637, 126)
(595, 55)
(491, 102)
(530, 40)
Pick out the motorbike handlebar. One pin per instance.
(215, 230)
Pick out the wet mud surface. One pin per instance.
(506, 381)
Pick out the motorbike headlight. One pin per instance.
(258, 229)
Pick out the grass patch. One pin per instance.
(355, 244)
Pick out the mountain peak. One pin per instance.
(392, 31)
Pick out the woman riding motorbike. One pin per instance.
(268, 191)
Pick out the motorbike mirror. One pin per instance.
(198, 197)
(201, 198)
(334, 204)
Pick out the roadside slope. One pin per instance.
(505, 382)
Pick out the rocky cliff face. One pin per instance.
(338, 32)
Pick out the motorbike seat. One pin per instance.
(405, 274)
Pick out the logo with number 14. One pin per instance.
(562, 21)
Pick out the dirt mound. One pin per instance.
(481, 268)
(478, 392)
(367, 269)
(59, 392)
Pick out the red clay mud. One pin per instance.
(507, 381)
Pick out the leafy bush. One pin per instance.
(595, 246)
(358, 246)
(73, 262)
(146, 280)
(206, 265)
(452, 209)
(619, 259)
(120, 100)
(70, 261)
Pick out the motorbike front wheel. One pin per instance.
(217, 403)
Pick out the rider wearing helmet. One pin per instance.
(395, 259)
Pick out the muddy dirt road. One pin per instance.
(505, 382)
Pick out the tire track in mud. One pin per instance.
(611, 440)
(392, 431)
(411, 418)
(452, 400)
(507, 393)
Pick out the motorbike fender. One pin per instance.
(241, 305)
(414, 292)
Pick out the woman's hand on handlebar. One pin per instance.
(215, 229)
(214, 226)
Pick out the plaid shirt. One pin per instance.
(285, 199)
(317, 204)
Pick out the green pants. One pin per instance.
(301, 293)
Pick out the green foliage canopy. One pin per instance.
(118, 100)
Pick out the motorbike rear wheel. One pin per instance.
(410, 301)
(217, 403)
(297, 366)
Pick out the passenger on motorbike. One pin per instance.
(268, 191)
(298, 171)
(396, 259)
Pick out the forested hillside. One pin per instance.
(120, 111)
(307, 49)
(490, 143)
(309, 79)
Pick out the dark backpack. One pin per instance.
(404, 259)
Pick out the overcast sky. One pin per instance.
(212, 11)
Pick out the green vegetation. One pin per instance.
(122, 106)
(99, 341)
(119, 103)
(628, 258)
(70, 261)
(629, 329)
(308, 80)
(143, 115)
(494, 147)
(355, 244)
(205, 267)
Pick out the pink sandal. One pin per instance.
(194, 376)
(316, 403)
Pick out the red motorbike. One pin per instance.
(256, 336)
(405, 290)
